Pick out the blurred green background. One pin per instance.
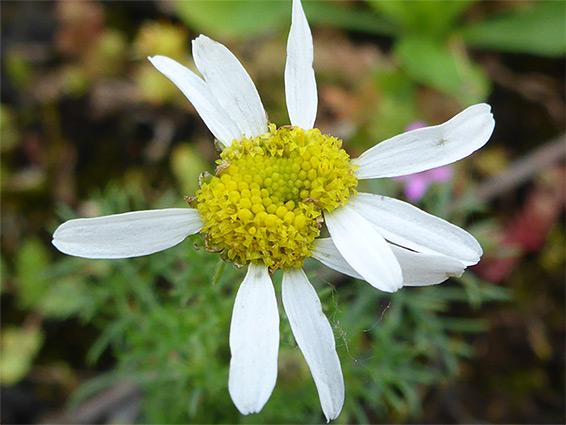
(89, 127)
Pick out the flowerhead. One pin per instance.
(273, 190)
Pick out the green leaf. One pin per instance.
(17, 351)
(243, 19)
(396, 107)
(395, 11)
(65, 297)
(425, 17)
(538, 30)
(218, 270)
(37, 290)
(447, 70)
(31, 262)
(348, 18)
(234, 19)
(187, 165)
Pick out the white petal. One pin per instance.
(300, 82)
(231, 85)
(408, 226)
(315, 339)
(254, 342)
(418, 269)
(429, 147)
(326, 252)
(126, 235)
(364, 248)
(426, 269)
(195, 89)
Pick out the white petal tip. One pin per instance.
(315, 338)
(391, 290)
(203, 39)
(56, 243)
(330, 416)
(245, 409)
(231, 85)
(472, 262)
(127, 235)
(246, 405)
(364, 248)
(155, 58)
(429, 147)
(254, 342)
(300, 81)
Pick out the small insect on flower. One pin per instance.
(416, 185)
(272, 191)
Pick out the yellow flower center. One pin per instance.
(266, 200)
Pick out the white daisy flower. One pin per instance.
(273, 190)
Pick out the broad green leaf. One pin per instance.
(234, 19)
(31, 262)
(64, 298)
(539, 30)
(396, 11)
(426, 17)
(243, 19)
(396, 107)
(17, 351)
(56, 298)
(434, 64)
(187, 165)
(349, 18)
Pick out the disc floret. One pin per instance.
(266, 200)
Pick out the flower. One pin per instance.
(272, 191)
(416, 185)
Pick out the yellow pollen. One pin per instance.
(266, 201)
